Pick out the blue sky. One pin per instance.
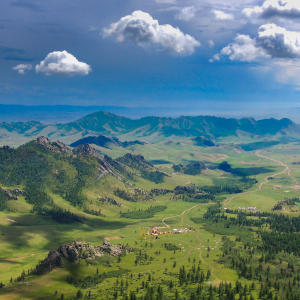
(204, 56)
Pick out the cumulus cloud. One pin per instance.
(143, 30)
(62, 63)
(22, 67)
(243, 48)
(186, 13)
(278, 41)
(271, 8)
(211, 44)
(271, 41)
(222, 16)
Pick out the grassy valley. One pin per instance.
(177, 219)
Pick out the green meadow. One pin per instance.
(26, 237)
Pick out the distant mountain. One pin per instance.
(152, 129)
(106, 142)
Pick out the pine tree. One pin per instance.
(79, 294)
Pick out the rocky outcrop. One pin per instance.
(135, 161)
(104, 168)
(75, 251)
(13, 194)
(114, 250)
(57, 147)
(86, 150)
(160, 191)
(110, 200)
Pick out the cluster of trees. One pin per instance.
(3, 200)
(155, 176)
(124, 195)
(276, 278)
(46, 266)
(143, 214)
(269, 258)
(43, 204)
(206, 193)
(64, 216)
(142, 258)
(171, 247)
(280, 204)
(195, 275)
(24, 165)
(190, 169)
(91, 281)
(209, 292)
(93, 212)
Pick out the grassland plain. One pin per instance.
(26, 237)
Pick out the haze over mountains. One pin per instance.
(48, 114)
(150, 129)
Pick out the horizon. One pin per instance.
(62, 114)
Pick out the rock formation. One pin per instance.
(57, 147)
(110, 200)
(104, 168)
(13, 194)
(75, 251)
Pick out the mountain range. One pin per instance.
(150, 129)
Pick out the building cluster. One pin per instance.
(156, 232)
(251, 208)
(182, 230)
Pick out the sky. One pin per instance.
(196, 57)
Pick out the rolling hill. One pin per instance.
(106, 142)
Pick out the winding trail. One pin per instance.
(187, 210)
(266, 179)
(188, 181)
(184, 214)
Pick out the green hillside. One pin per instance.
(77, 224)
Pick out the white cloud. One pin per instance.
(62, 63)
(211, 44)
(222, 16)
(271, 8)
(22, 67)
(272, 41)
(143, 30)
(278, 41)
(243, 48)
(186, 13)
